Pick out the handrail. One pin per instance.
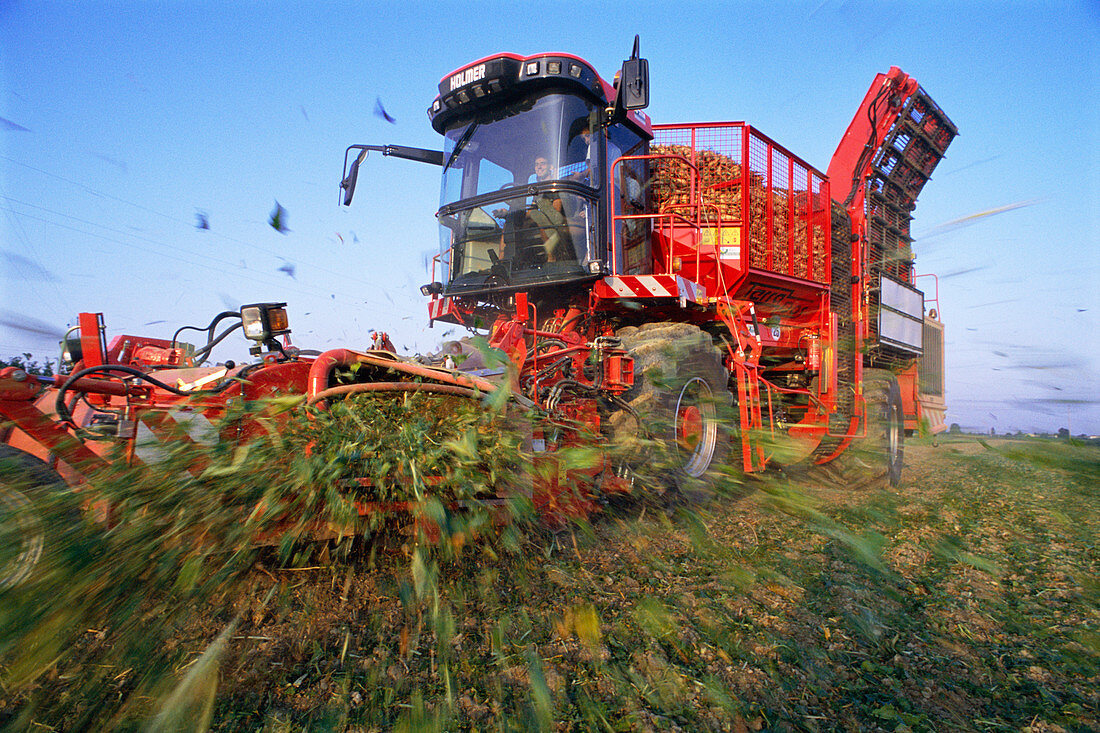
(935, 313)
(654, 216)
(650, 215)
(697, 222)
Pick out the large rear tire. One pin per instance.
(27, 488)
(875, 459)
(677, 405)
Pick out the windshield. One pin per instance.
(523, 240)
(518, 199)
(501, 145)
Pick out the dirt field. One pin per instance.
(966, 599)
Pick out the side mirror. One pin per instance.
(634, 84)
(347, 185)
(632, 91)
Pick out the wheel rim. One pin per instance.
(893, 433)
(696, 428)
(22, 540)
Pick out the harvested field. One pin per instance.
(967, 599)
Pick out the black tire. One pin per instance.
(27, 488)
(876, 459)
(679, 397)
(885, 421)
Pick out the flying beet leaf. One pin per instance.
(277, 220)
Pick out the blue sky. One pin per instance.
(123, 120)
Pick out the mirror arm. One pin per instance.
(434, 157)
(347, 183)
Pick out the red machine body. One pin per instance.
(634, 274)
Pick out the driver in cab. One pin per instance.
(546, 213)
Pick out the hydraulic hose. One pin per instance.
(209, 329)
(202, 353)
(63, 409)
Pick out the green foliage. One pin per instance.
(183, 534)
(402, 443)
(190, 706)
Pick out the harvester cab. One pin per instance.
(526, 202)
(526, 198)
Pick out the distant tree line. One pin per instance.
(29, 364)
(1062, 434)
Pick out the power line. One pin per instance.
(22, 234)
(169, 217)
(89, 189)
(258, 275)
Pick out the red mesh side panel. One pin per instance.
(716, 153)
(782, 212)
(787, 225)
(804, 238)
(821, 246)
(759, 256)
(780, 204)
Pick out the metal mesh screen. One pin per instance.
(931, 363)
(909, 154)
(716, 154)
(779, 204)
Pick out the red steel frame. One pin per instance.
(678, 249)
